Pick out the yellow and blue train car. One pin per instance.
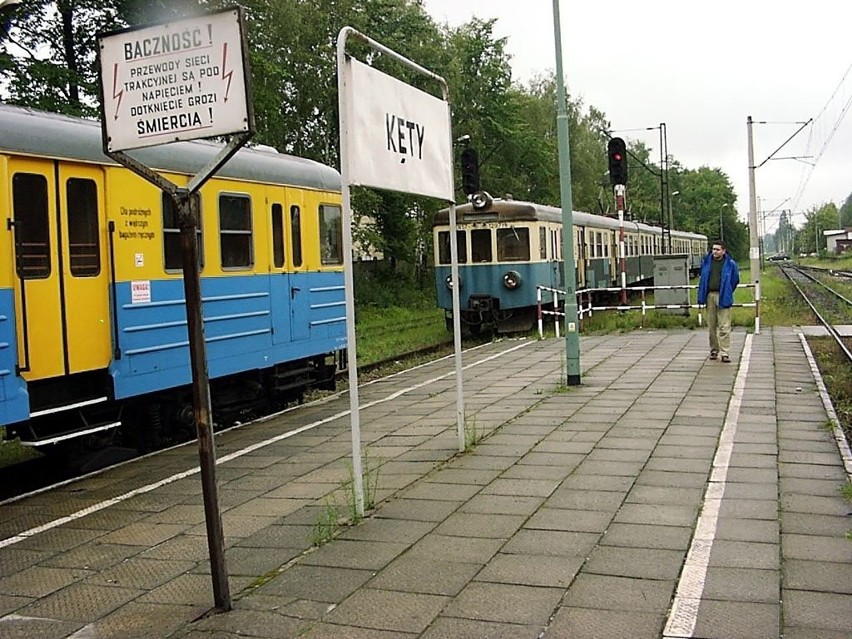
(508, 247)
(93, 333)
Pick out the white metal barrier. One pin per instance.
(589, 309)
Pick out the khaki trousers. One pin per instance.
(718, 324)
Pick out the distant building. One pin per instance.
(838, 241)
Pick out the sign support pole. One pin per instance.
(127, 124)
(188, 205)
(346, 172)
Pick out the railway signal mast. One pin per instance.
(617, 157)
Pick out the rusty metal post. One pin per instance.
(188, 208)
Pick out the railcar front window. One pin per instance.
(32, 235)
(444, 256)
(331, 234)
(480, 245)
(513, 245)
(172, 260)
(542, 243)
(235, 232)
(83, 238)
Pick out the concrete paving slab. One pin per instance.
(388, 610)
(818, 610)
(510, 603)
(737, 620)
(818, 576)
(585, 623)
(411, 573)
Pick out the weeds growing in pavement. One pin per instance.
(472, 434)
(327, 522)
(370, 485)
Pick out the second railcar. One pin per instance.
(507, 248)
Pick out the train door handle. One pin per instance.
(293, 291)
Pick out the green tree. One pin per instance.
(810, 238)
(846, 212)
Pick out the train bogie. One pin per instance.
(92, 309)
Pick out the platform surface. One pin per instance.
(666, 496)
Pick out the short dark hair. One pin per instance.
(720, 243)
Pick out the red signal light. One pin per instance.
(617, 154)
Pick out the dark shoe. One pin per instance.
(713, 354)
(726, 359)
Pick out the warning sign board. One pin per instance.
(181, 80)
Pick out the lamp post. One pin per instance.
(572, 336)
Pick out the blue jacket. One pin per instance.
(730, 281)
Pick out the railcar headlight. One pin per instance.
(480, 199)
(449, 282)
(512, 280)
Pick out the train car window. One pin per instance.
(172, 260)
(296, 234)
(331, 234)
(83, 237)
(542, 243)
(513, 245)
(444, 247)
(277, 235)
(235, 232)
(32, 236)
(480, 245)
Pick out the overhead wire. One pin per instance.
(808, 171)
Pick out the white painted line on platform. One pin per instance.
(32, 532)
(839, 437)
(690, 587)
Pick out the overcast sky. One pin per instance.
(702, 68)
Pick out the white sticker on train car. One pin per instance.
(140, 292)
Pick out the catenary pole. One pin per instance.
(572, 336)
(754, 248)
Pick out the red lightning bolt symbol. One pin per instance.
(115, 95)
(227, 75)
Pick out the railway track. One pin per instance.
(829, 306)
(833, 309)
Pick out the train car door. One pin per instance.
(61, 283)
(300, 281)
(281, 278)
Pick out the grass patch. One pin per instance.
(384, 333)
(837, 376)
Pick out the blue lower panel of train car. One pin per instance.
(250, 322)
(14, 399)
(487, 280)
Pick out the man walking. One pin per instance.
(720, 277)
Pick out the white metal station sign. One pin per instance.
(398, 136)
(177, 81)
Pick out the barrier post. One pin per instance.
(556, 313)
(538, 310)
